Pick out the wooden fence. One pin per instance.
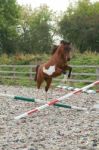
(82, 73)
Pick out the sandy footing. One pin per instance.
(51, 129)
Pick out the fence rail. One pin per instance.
(81, 73)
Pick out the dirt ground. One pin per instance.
(51, 129)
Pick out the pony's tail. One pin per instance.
(35, 78)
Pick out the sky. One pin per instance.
(56, 5)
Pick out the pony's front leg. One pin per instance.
(69, 68)
(65, 79)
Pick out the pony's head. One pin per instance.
(64, 50)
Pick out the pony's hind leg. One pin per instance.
(37, 67)
(39, 82)
(48, 83)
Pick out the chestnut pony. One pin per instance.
(55, 66)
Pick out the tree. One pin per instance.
(23, 30)
(9, 14)
(80, 24)
(35, 33)
(40, 29)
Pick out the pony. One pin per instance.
(66, 67)
(55, 66)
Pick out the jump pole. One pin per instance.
(40, 101)
(74, 89)
(52, 102)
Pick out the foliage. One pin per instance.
(80, 24)
(87, 58)
(23, 30)
(9, 14)
(36, 36)
(40, 29)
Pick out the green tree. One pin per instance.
(35, 33)
(40, 29)
(80, 24)
(23, 30)
(9, 14)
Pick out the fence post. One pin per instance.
(14, 68)
(97, 73)
(30, 75)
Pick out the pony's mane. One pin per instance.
(56, 46)
(54, 49)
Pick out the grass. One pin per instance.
(87, 58)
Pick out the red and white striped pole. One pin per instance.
(56, 100)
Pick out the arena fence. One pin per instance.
(81, 73)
